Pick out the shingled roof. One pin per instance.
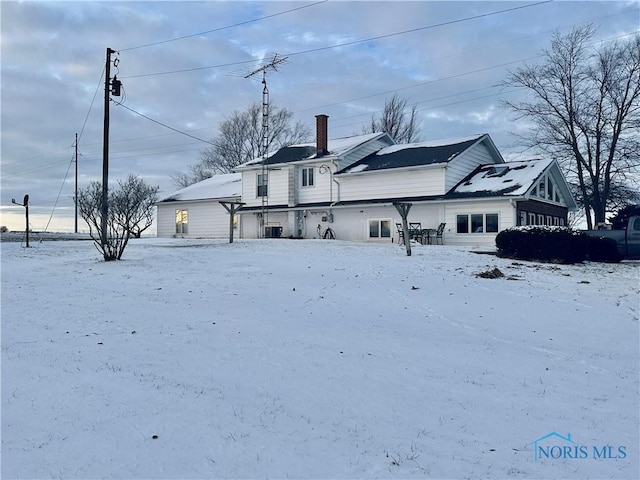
(307, 151)
(413, 154)
(510, 178)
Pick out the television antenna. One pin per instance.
(263, 185)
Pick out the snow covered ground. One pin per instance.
(315, 359)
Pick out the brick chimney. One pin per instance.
(322, 132)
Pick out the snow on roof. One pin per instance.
(219, 186)
(516, 177)
(307, 151)
(430, 144)
(340, 146)
(413, 154)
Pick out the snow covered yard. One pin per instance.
(315, 359)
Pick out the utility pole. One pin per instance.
(105, 144)
(76, 192)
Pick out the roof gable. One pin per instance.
(516, 178)
(414, 154)
(338, 147)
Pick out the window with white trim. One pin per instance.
(380, 228)
(530, 218)
(182, 222)
(547, 189)
(262, 185)
(477, 223)
(308, 177)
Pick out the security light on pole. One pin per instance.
(25, 204)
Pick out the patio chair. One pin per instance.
(400, 233)
(415, 232)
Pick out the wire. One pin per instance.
(164, 125)
(354, 42)
(457, 75)
(413, 30)
(33, 170)
(232, 64)
(95, 94)
(445, 78)
(64, 180)
(59, 193)
(221, 28)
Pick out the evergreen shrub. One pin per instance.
(543, 244)
(602, 249)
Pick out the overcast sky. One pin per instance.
(183, 63)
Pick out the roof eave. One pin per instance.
(167, 201)
(429, 166)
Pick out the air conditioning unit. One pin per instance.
(272, 232)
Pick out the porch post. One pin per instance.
(403, 210)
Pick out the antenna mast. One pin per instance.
(263, 181)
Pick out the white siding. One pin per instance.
(352, 223)
(166, 220)
(460, 167)
(206, 219)
(392, 184)
(506, 219)
(249, 223)
(278, 188)
(323, 188)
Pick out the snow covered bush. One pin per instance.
(542, 243)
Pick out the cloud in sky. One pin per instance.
(182, 64)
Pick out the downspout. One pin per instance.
(337, 183)
(515, 212)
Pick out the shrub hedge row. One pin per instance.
(554, 245)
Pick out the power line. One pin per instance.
(64, 180)
(446, 78)
(421, 84)
(354, 42)
(95, 94)
(413, 30)
(164, 125)
(33, 170)
(222, 28)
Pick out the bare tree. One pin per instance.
(130, 213)
(133, 204)
(240, 140)
(586, 113)
(395, 120)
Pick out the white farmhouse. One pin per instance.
(349, 188)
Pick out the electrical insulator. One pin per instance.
(115, 87)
